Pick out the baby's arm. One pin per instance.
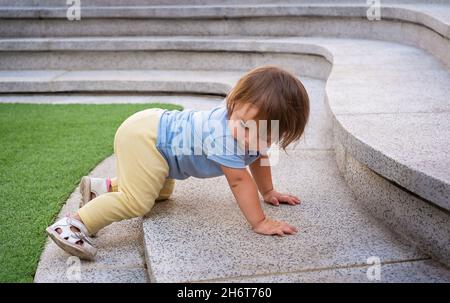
(245, 191)
(263, 177)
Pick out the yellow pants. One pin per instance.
(141, 174)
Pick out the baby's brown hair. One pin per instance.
(279, 95)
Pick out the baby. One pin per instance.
(155, 147)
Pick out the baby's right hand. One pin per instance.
(273, 227)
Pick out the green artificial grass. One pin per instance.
(44, 151)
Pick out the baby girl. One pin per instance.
(155, 147)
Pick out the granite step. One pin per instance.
(200, 235)
(400, 20)
(163, 81)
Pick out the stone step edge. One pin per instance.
(392, 12)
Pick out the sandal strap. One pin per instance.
(78, 224)
(84, 238)
(66, 232)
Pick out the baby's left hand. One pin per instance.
(274, 197)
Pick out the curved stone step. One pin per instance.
(430, 15)
(424, 25)
(205, 54)
(406, 11)
(115, 81)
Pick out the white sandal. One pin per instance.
(69, 240)
(96, 186)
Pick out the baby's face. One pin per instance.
(245, 128)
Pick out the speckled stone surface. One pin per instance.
(421, 222)
(400, 133)
(94, 275)
(422, 14)
(410, 272)
(200, 234)
(137, 65)
(115, 81)
(425, 154)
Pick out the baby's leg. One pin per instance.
(164, 194)
(141, 174)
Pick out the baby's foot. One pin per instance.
(71, 235)
(91, 188)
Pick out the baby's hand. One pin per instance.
(275, 198)
(272, 227)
